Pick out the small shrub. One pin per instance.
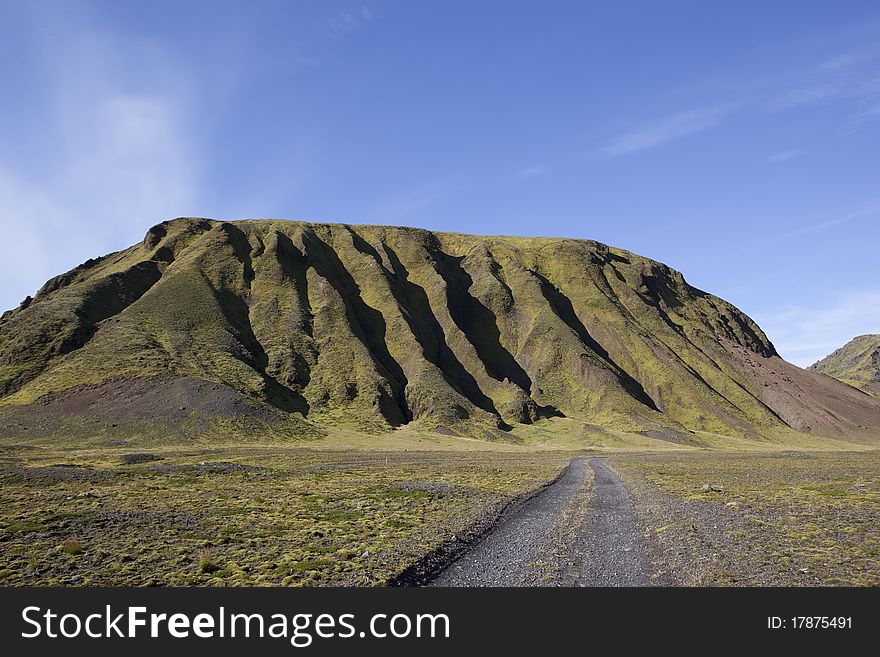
(308, 565)
(207, 566)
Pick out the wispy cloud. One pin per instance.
(809, 94)
(407, 205)
(868, 211)
(784, 155)
(804, 334)
(667, 129)
(845, 77)
(530, 172)
(347, 20)
(870, 112)
(843, 61)
(849, 75)
(120, 162)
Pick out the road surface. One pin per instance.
(579, 531)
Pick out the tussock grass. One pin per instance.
(291, 517)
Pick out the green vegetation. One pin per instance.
(281, 330)
(788, 518)
(285, 403)
(856, 363)
(357, 509)
(244, 516)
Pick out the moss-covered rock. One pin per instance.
(290, 326)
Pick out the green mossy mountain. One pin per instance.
(292, 327)
(856, 363)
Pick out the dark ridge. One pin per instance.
(63, 280)
(609, 293)
(495, 268)
(561, 305)
(768, 350)
(478, 323)
(293, 265)
(659, 290)
(241, 247)
(155, 235)
(613, 257)
(604, 286)
(367, 323)
(657, 295)
(762, 346)
(106, 298)
(427, 330)
(668, 320)
(696, 374)
(116, 292)
(618, 275)
(718, 367)
(690, 370)
(237, 313)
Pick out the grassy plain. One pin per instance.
(246, 515)
(772, 519)
(357, 509)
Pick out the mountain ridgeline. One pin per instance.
(292, 328)
(856, 363)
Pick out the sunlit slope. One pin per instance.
(307, 325)
(856, 363)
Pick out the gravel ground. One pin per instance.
(760, 526)
(615, 555)
(571, 534)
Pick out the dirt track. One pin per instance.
(580, 531)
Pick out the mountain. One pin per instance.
(856, 363)
(285, 328)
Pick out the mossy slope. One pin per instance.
(856, 363)
(375, 327)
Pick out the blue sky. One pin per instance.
(737, 143)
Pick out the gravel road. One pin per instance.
(580, 531)
(615, 554)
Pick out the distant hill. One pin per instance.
(286, 328)
(856, 363)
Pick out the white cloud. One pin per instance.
(346, 21)
(846, 77)
(844, 61)
(667, 129)
(850, 76)
(867, 211)
(129, 173)
(407, 205)
(784, 155)
(803, 335)
(869, 112)
(530, 172)
(811, 94)
(118, 162)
